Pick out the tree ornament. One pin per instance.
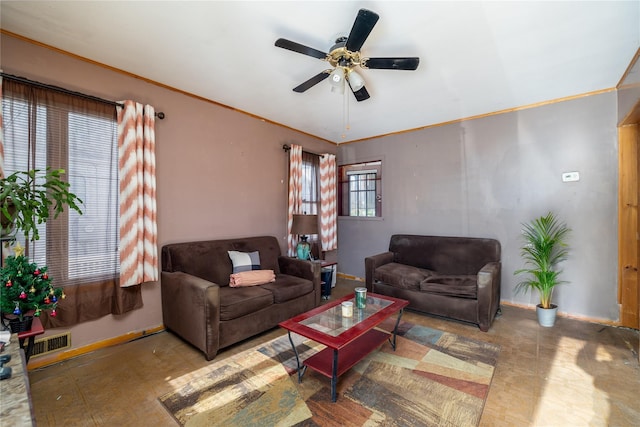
(45, 276)
(17, 311)
(54, 299)
(23, 295)
(32, 290)
(54, 313)
(47, 300)
(37, 272)
(18, 250)
(9, 283)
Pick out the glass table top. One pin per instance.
(331, 322)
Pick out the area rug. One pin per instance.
(433, 378)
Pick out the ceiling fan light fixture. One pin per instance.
(345, 55)
(336, 79)
(355, 80)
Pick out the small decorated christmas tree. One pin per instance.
(25, 288)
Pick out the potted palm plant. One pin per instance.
(544, 248)
(27, 199)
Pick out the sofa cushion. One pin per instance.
(286, 288)
(244, 261)
(463, 286)
(210, 260)
(446, 255)
(251, 278)
(237, 302)
(401, 275)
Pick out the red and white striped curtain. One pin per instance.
(295, 194)
(137, 171)
(328, 200)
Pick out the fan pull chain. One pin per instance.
(346, 100)
(346, 126)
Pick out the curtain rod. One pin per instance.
(287, 148)
(24, 80)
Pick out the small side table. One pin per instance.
(327, 279)
(36, 329)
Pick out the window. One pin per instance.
(360, 189)
(43, 129)
(310, 179)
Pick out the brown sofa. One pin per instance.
(454, 277)
(199, 305)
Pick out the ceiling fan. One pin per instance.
(344, 56)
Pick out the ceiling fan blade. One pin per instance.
(364, 23)
(391, 63)
(311, 82)
(361, 95)
(297, 47)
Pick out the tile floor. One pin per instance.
(574, 374)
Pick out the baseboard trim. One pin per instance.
(607, 322)
(349, 277)
(531, 307)
(47, 360)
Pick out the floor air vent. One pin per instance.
(50, 344)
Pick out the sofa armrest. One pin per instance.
(191, 309)
(373, 262)
(309, 270)
(489, 278)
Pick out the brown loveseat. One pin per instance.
(454, 277)
(199, 305)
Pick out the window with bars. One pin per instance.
(360, 190)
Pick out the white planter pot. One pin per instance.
(547, 316)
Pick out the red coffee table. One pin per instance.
(347, 339)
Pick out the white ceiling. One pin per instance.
(476, 57)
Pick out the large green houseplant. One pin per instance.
(27, 199)
(544, 248)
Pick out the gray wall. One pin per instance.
(485, 177)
